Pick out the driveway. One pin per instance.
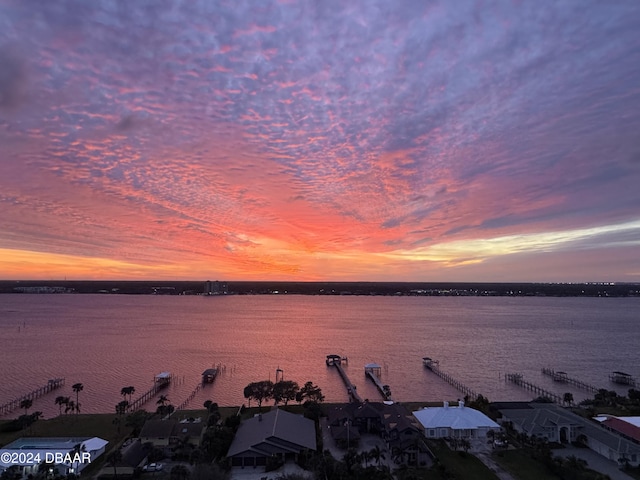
(594, 462)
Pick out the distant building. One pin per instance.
(43, 289)
(216, 288)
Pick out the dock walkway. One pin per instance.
(189, 398)
(14, 404)
(372, 371)
(161, 382)
(562, 377)
(335, 361)
(434, 366)
(520, 381)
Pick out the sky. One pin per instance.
(368, 140)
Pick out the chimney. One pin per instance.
(461, 403)
(445, 404)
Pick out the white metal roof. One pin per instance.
(457, 418)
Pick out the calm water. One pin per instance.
(112, 341)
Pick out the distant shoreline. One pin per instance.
(323, 288)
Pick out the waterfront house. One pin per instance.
(168, 433)
(456, 422)
(404, 436)
(134, 457)
(39, 447)
(186, 431)
(628, 427)
(157, 432)
(557, 424)
(273, 434)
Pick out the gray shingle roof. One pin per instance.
(273, 432)
(540, 415)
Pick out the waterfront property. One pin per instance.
(392, 421)
(458, 422)
(273, 434)
(88, 449)
(134, 456)
(557, 424)
(165, 433)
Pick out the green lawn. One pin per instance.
(522, 466)
(460, 464)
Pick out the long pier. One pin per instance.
(372, 371)
(434, 366)
(520, 381)
(562, 377)
(335, 361)
(189, 398)
(14, 404)
(161, 382)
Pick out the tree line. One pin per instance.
(283, 391)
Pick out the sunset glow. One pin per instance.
(366, 140)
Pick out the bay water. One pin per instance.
(107, 342)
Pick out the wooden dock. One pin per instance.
(520, 381)
(161, 382)
(562, 377)
(373, 372)
(622, 378)
(335, 361)
(434, 366)
(14, 404)
(189, 398)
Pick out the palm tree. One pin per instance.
(376, 454)
(70, 407)
(77, 387)
(26, 404)
(75, 452)
(127, 391)
(60, 401)
(162, 404)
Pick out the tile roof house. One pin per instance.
(628, 427)
(561, 425)
(276, 433)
